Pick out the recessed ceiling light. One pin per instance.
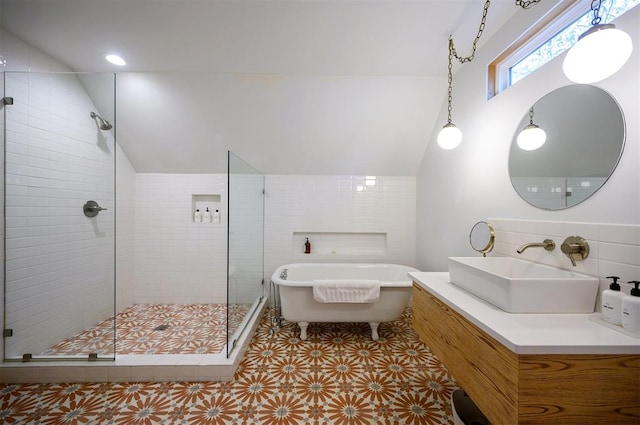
(115, 59)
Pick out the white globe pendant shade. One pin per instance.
(531, 138)
(450, 136)
(599, 53)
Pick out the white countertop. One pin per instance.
(531, 333)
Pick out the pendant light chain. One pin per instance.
(595, 7)
(527, 4)
(453, 53)
(450, 81)
(474, 46)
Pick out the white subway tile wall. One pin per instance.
(59, 263)
(349, 243)
(125, 231)
(2, 227)
(614, 248)
(339, 205)
(177, 260)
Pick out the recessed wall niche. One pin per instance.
(203, 201)
(341, 243)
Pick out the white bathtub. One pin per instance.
(294, 283)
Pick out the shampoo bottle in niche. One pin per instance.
(307, 246)
(206, 217)
(197, 216)
(612, 302)
(216, 217)
(631, 309)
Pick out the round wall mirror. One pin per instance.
(585, 136)
(482, 237)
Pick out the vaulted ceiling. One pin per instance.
(308, 87)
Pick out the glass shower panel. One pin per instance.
(59, 188)
(245, 245)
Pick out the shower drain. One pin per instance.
(161, 328)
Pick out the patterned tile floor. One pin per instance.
(190, 329)
(337, 376)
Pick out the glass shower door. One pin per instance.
(245, 245)
(59, 152)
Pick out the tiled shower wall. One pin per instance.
(59, 263)
(2, 209)
(614, 248)
(343, 217)
(125, 231)
(177, 260)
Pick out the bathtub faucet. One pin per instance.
(547, 244)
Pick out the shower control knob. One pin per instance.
(91, 208)
(576, 248)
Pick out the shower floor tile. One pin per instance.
(337, 376)
(185, 329)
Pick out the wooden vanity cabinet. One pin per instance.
(512, 389)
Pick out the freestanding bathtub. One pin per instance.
(294, 282)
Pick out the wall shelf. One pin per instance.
(204, 201)
(327, 245)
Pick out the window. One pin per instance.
(554, 35)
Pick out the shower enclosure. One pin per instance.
(59, 215)
(70, 278)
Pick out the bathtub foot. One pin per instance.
(303, 330)
(374, 330)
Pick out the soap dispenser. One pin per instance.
(207, 216)
(612, 302)
(197, 216)
(216, 216)
(631, 309)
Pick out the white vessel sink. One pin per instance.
(519, 286)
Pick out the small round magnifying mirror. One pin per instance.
(482, 237)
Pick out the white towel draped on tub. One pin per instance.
(346, 291)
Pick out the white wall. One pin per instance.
(347, 219)
(125, 231)
(177, 260)
(457, 188)
(280, 124)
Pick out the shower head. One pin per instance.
(104, 124)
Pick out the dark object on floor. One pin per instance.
(466, 410)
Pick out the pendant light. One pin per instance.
(599, 53)
(450, 136)
(531, 137)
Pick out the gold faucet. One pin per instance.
(547, 244)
